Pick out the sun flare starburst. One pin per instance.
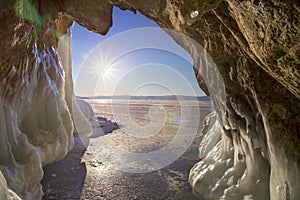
(103, 68)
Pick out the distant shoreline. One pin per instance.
(166, 97)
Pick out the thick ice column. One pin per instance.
(81, 124)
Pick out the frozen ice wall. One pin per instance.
(240, 159)
(36, 127)
(228, 171)
(38, 109)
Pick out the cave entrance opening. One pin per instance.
(133, 42)
(139, 79)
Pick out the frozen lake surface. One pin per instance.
(148, 157)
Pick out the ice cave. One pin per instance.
(251, 145)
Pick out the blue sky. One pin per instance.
(135, 57)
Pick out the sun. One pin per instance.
(102, 67)
(108, 73)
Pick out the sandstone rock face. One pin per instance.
(254, 45)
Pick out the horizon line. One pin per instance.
(142, 95)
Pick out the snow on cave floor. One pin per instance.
(84, 174)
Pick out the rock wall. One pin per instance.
(254, 44)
